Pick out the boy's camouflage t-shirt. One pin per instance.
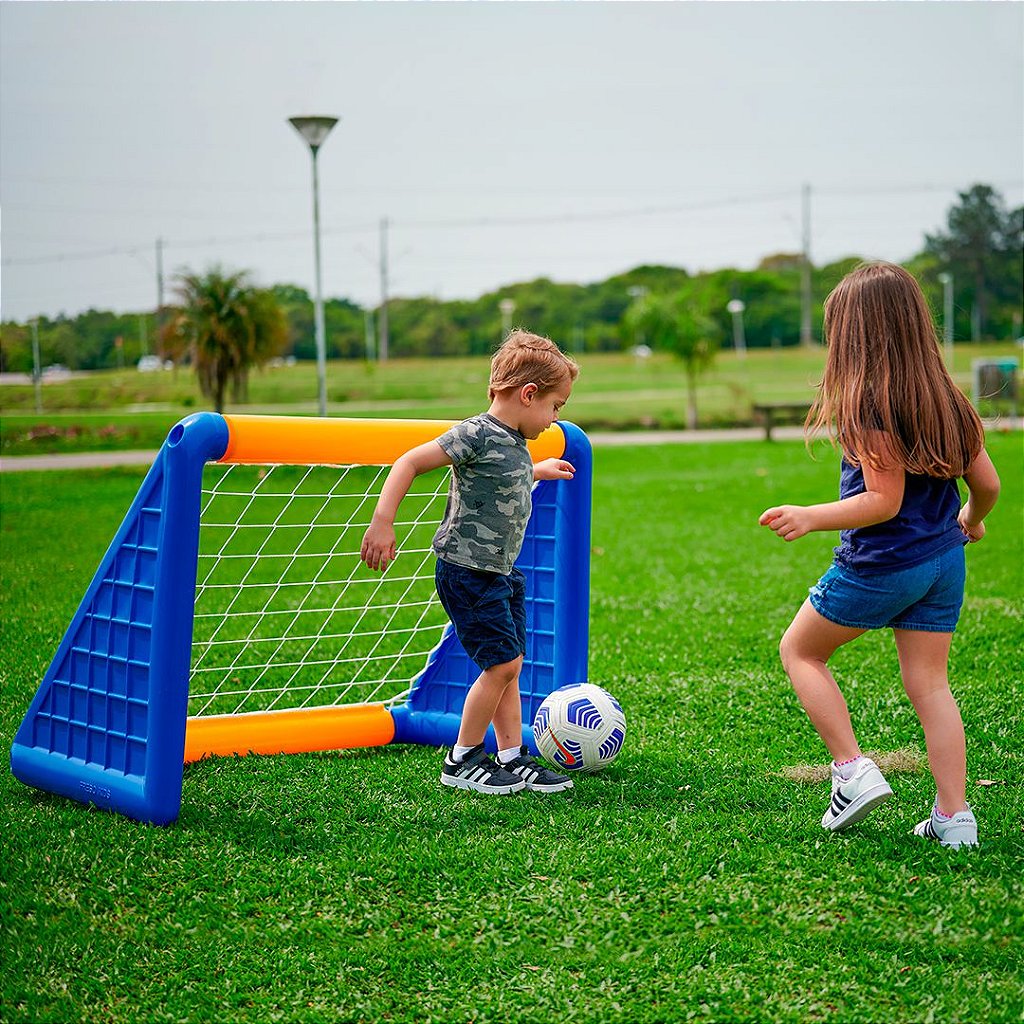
(489, 498)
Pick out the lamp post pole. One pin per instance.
(806, 337)
(947, 316)
(739, 341)
(507, 307)
(314, 130)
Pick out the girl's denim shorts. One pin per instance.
(487, 609)
(926, 596)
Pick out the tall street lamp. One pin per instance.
(739, 340)
(507, 307)
(637, 293)
(946, 280)
(314, 130)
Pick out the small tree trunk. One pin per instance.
(219, 387)
(691, 400)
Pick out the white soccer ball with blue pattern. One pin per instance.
(579, 728)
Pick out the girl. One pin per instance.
(907, 433)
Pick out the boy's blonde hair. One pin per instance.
(526, 358)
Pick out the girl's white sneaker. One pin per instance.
(853, 799)
(960, 830)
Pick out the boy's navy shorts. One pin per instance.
(487, 609)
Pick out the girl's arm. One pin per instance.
(378, 549)
(983, 484)
(879, 501)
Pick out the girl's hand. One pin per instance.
(553, 469)
(378, 549)
(972, 531)
(788, 521)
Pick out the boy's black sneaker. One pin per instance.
(478, 772)
(536, 776)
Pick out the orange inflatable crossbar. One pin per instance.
(306, 440)
(296, 731)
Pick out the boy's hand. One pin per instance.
(378, 550)
(553, 469)
(788, 521)
(972, 531)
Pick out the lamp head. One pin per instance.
(313, 129)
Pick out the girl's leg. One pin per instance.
(805, 648)
(483, 700)
(924, 660)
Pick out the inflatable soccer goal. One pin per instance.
(231, 613)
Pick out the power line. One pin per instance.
(188, 244)
(526, 221)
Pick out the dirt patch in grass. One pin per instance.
(906, 761)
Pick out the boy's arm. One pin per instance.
(378, 548)
(983, 484)
(553, 469)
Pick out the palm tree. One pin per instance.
(228, 326)
(672, 323)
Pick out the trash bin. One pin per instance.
(996, 386)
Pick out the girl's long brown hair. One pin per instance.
(884, 372)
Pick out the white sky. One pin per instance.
(504, 141)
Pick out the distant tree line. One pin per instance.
(980, 247)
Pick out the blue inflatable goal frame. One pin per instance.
(107, 724)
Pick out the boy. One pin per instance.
(477, 543)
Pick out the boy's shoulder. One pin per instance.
(484, 438)
(483, 428)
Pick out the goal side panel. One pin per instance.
(107, 723)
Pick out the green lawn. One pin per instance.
(691, 880)
(128, 409)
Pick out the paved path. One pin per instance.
(599, 439)
(92, 460)
(76, 460)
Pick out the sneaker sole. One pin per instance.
(953, 843)
(859, 809)
(477, 787)
(559, 787)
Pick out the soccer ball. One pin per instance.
(579, 728)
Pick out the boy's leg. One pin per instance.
(484, 700)
(508, 716)
(924, 659)
(805, 648)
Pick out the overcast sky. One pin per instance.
(503, 141)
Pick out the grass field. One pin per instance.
(691, 881)
(128, 409)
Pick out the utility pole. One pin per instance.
(371, 345)
(37, 374)
(805, 272)
(159, 295)
(382, 323)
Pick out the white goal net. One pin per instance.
(286, 614)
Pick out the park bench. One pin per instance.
(770, 414)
